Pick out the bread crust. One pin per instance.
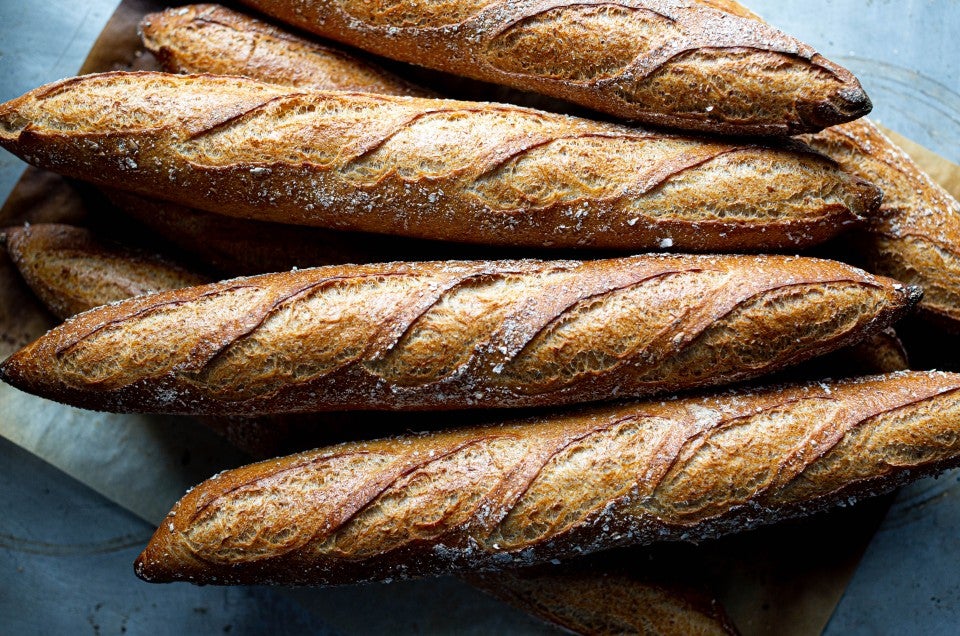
(209, 38)
(71, 270)
(635, 59)
(915, 235)
(439, 169)
(520, 494)
(445, 335)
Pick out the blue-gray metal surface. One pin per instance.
(65, 551)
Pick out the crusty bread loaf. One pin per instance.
(208, 38)
(445, 335)
(520, 494)
(677, 64)
(462, 171)
(915, 236)
(93, 273)
(881, 352)
(608, 604)
(72, 271)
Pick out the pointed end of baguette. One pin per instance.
(848, 102)
(14, 371)
(28, 370)
(149, 569)
(10, 371)
(168, 557)
(866, 198)
(153, 565)
(905, 301)
(155, 28)
(12, 121)
(914, 294)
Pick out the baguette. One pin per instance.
(38, 251)
(461, 171)
(74, 285)
(71, 271)
(208, 38)
(446, 335)
(915, 236)
(631, 58)
(522, 494)
(285, 58)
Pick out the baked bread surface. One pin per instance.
(457, 334)
(441, 169)
(71, 270)
(608, 603)
(915, 235)
(526, 493)
(669, 63)
(209, 38)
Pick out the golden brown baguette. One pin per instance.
(208, 38)
(608, 604)
(463, 171)
(526, 493)
(71, 270)
(75, 284)
(915, 236)
(636, 59)
(458, 334)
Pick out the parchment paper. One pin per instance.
(784, 580)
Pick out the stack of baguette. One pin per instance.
(260, 150)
